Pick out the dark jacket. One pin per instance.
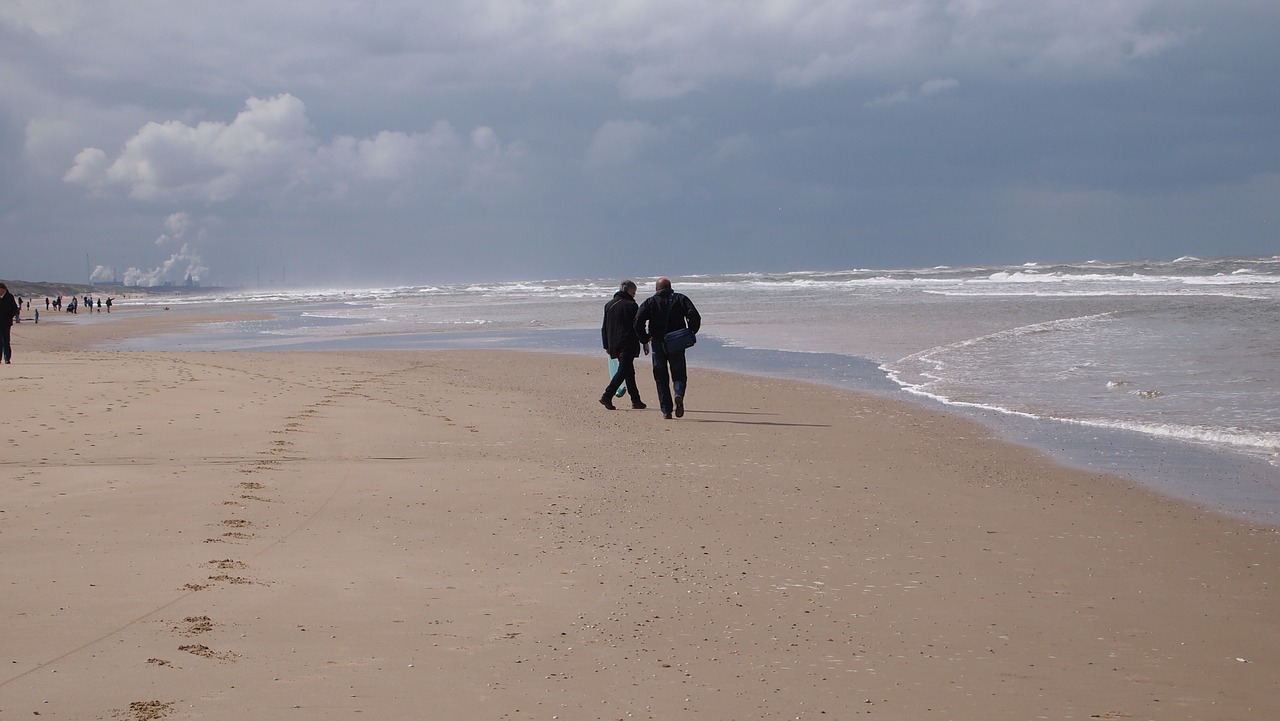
(617, 332)
(664, 312)
(8, 309)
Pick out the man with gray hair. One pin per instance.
(618, 334)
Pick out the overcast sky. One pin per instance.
(402, 141)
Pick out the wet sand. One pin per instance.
(468, 534)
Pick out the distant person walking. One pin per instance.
(9, 312)
(618, 334)
(661, 313)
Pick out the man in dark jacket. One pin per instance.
(663, 312)
(618, 334)
(9, 311)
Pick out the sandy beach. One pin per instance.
(469, 535)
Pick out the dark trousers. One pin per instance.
(626, 374)
(6, 350)
(677, 375)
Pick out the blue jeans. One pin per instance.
(678, 375)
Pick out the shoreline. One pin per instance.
(370, 531)
(1218, 480)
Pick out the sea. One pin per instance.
(1165, 371)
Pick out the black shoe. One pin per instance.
(666, 416)
(639, 406)
(604, 401)
(679, 406)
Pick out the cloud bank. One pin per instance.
(465, 138)
(270, 149)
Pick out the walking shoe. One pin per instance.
(679, 406)
(607, 403)
(639, 406)
(666, 416)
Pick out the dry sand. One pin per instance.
(469, 535)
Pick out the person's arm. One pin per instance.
(632, 320)
(642, 318)
(692, 316)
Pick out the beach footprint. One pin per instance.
(193, 626)
(144, 711)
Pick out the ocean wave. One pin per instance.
(923, 393)
(1247, 277)
(1255, 443)
(934, 356)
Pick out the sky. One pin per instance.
(377, 142)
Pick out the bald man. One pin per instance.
(661, 313)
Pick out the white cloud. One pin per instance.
(618, 142)
(938, 85)
(384, 156)
(659, 49)
(391, 156)
(1144, 45)
(928, 88)
(621, 141)
(428, 123)
(1055, 38)
(179, 226)
(820, 68)
(656, 83)
(178, 223)
(268, 143)
(491, 160)
(1003, 39)
(270, 148)
(90, 168)
(897, 97)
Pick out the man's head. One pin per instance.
(628, 287)
(3, 289)
(662, 284)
